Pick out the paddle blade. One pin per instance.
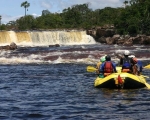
(91, 69)
(147, 66)
(147, 85)
(145, 76)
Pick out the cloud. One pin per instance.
(7, 18)
(35, 15)
(93, 4)
(97, 4)
(54, 6)
(46, 4)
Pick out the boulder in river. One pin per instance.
(12, 46)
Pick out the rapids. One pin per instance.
(82, 54)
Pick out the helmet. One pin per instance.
(131, 56)
(126, 52)
(102, 59)
(108, 58)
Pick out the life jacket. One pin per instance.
(108, 67)
(126, 63)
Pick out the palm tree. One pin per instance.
(25, 5)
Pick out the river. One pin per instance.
(51, 83)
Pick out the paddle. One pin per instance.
(147, 66)
(145, 76)
(144, 81)
(147, 85)
(93, 69)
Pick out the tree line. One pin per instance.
(133, 18)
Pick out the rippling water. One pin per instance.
(40, 83)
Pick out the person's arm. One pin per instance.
(98, 66)
(101, 68)
(140, 64)
(121, 61)
(114, 67)
(132, 62)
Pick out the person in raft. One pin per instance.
(126, 62)
(102, 59)
(108, 67)
(137, 66)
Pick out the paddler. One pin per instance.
(102, 59)
(126, 62)
(108, 66)
(137, 65)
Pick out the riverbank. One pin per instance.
(107, 35)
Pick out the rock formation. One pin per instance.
(56, 45)
(109, 36)
(12, 46)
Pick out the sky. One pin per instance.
(11, 9)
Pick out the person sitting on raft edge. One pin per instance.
(102, 59)
(126, 62)
(108, 67)
(137, 67)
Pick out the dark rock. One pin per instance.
(56, 45)
(105, 32)
(12, 46)
(102, 40)
(107, 35)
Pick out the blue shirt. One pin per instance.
(139, 63)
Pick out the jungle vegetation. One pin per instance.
(133, 18)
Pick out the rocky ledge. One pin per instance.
(12, 46)
(108, 36)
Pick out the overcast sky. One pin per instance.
(11, 9)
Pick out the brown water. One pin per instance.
(45, 38)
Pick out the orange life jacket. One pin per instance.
(125, 70)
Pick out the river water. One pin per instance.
(51, 83)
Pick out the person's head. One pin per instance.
(126, 53)
(134, 60)
(108, 58)
(102, 59)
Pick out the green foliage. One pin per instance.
(3, 27)
(24, 26)
(133, 19)
(77, 16)
(132, 29)
(28, 22)
(45, 12)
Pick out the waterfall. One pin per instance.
(46, 38)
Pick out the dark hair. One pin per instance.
(108, 58)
